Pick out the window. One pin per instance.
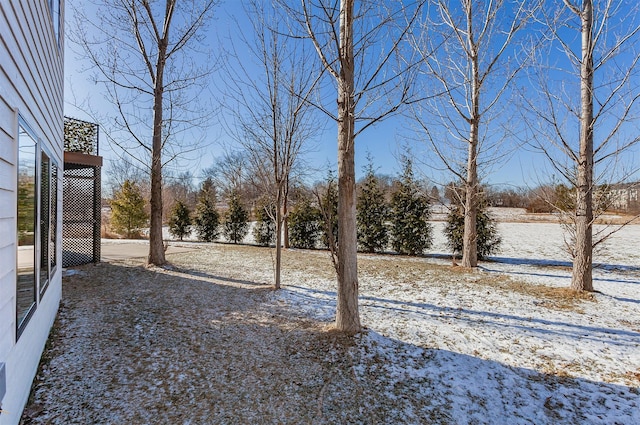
(54, 8)
(37, 227)
(45, 220)
(48, 220)
(53, 238)
(26, 223)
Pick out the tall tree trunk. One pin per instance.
(582, 278)
(156, 245)
(285, 213)
(347, 315)
(285, 225)
(279, 222)
(470, 238)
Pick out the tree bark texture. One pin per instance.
(347, 315)
(470, 237)
(156, 245)
(279, 221)
(582, 279)
(285, 215)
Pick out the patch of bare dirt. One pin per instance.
(136, 345)
(207, 341)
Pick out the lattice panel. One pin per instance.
(80, 215)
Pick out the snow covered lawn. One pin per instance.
(206, 342)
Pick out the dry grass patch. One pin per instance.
(255, 263)
(207, 341)
(409, 270)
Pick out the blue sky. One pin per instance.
(383, 141)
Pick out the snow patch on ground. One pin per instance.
(206, 342)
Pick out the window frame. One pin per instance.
(54, 241)
(55, 7)
(48, 226)
(46, 241)
(23, 319)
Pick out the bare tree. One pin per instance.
(583, 118)
(268, 103)
(468, 49)
(230, 174)
(120, 170)
(359, 46)
(144, 53)
(179, 187)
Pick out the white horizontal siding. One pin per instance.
(7, 233)
(31, 84)
(7, 178)
(22, 362)
(7, 148)
(7, 300)
(7, 208)
(33, 68)
(7, 297)
(7, 128)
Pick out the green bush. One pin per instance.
(236, 225)
(207, 219)
(329, 213)
(127, 210)
(488, 239)
(372, 214)
(264, 231)
(180, 220)
(304, 225)
(411, 232)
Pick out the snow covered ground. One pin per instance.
(501, 356)
(502, 345)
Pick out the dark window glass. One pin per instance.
(54, 8)
(53, 238)
(45, 217)
(26, 223)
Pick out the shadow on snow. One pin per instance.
(174, 348)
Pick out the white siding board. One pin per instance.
(7, 207)
(6, 333)
(8, 254)
(8, 47)
(29, 77)
(22, 362)
(49, 73)
(7, 180)
(7, 149)
(31, 84)
(7, 300)
(7, 283)
(39, 53)
(7, 234)
(7, 120)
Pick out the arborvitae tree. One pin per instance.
(372, 214)
(488, 238)
(264, 231)
(410, 230)
(207, 219)
(236, 218)
(329, 211)
(304, 225)
(127, 210)
(180, 220)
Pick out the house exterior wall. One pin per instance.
(31, 95)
